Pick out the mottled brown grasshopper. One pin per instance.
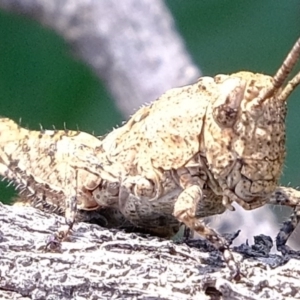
(191, 153)
(224, 135)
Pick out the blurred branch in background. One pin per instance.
(131, 45)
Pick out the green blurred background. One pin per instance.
(40, 81)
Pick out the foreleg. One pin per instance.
(185, 211)
(288, 197)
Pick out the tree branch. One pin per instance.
(131, 45)
(97, 262)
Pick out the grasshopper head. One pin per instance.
(244, 132)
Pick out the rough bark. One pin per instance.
(97, 263)
(132, 45)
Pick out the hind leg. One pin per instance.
(70, 191)
(64, 230)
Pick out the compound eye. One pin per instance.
(226, 106)
(225, 115)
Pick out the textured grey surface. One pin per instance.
(97, 263)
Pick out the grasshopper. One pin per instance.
(190, 154)
(224, 135)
